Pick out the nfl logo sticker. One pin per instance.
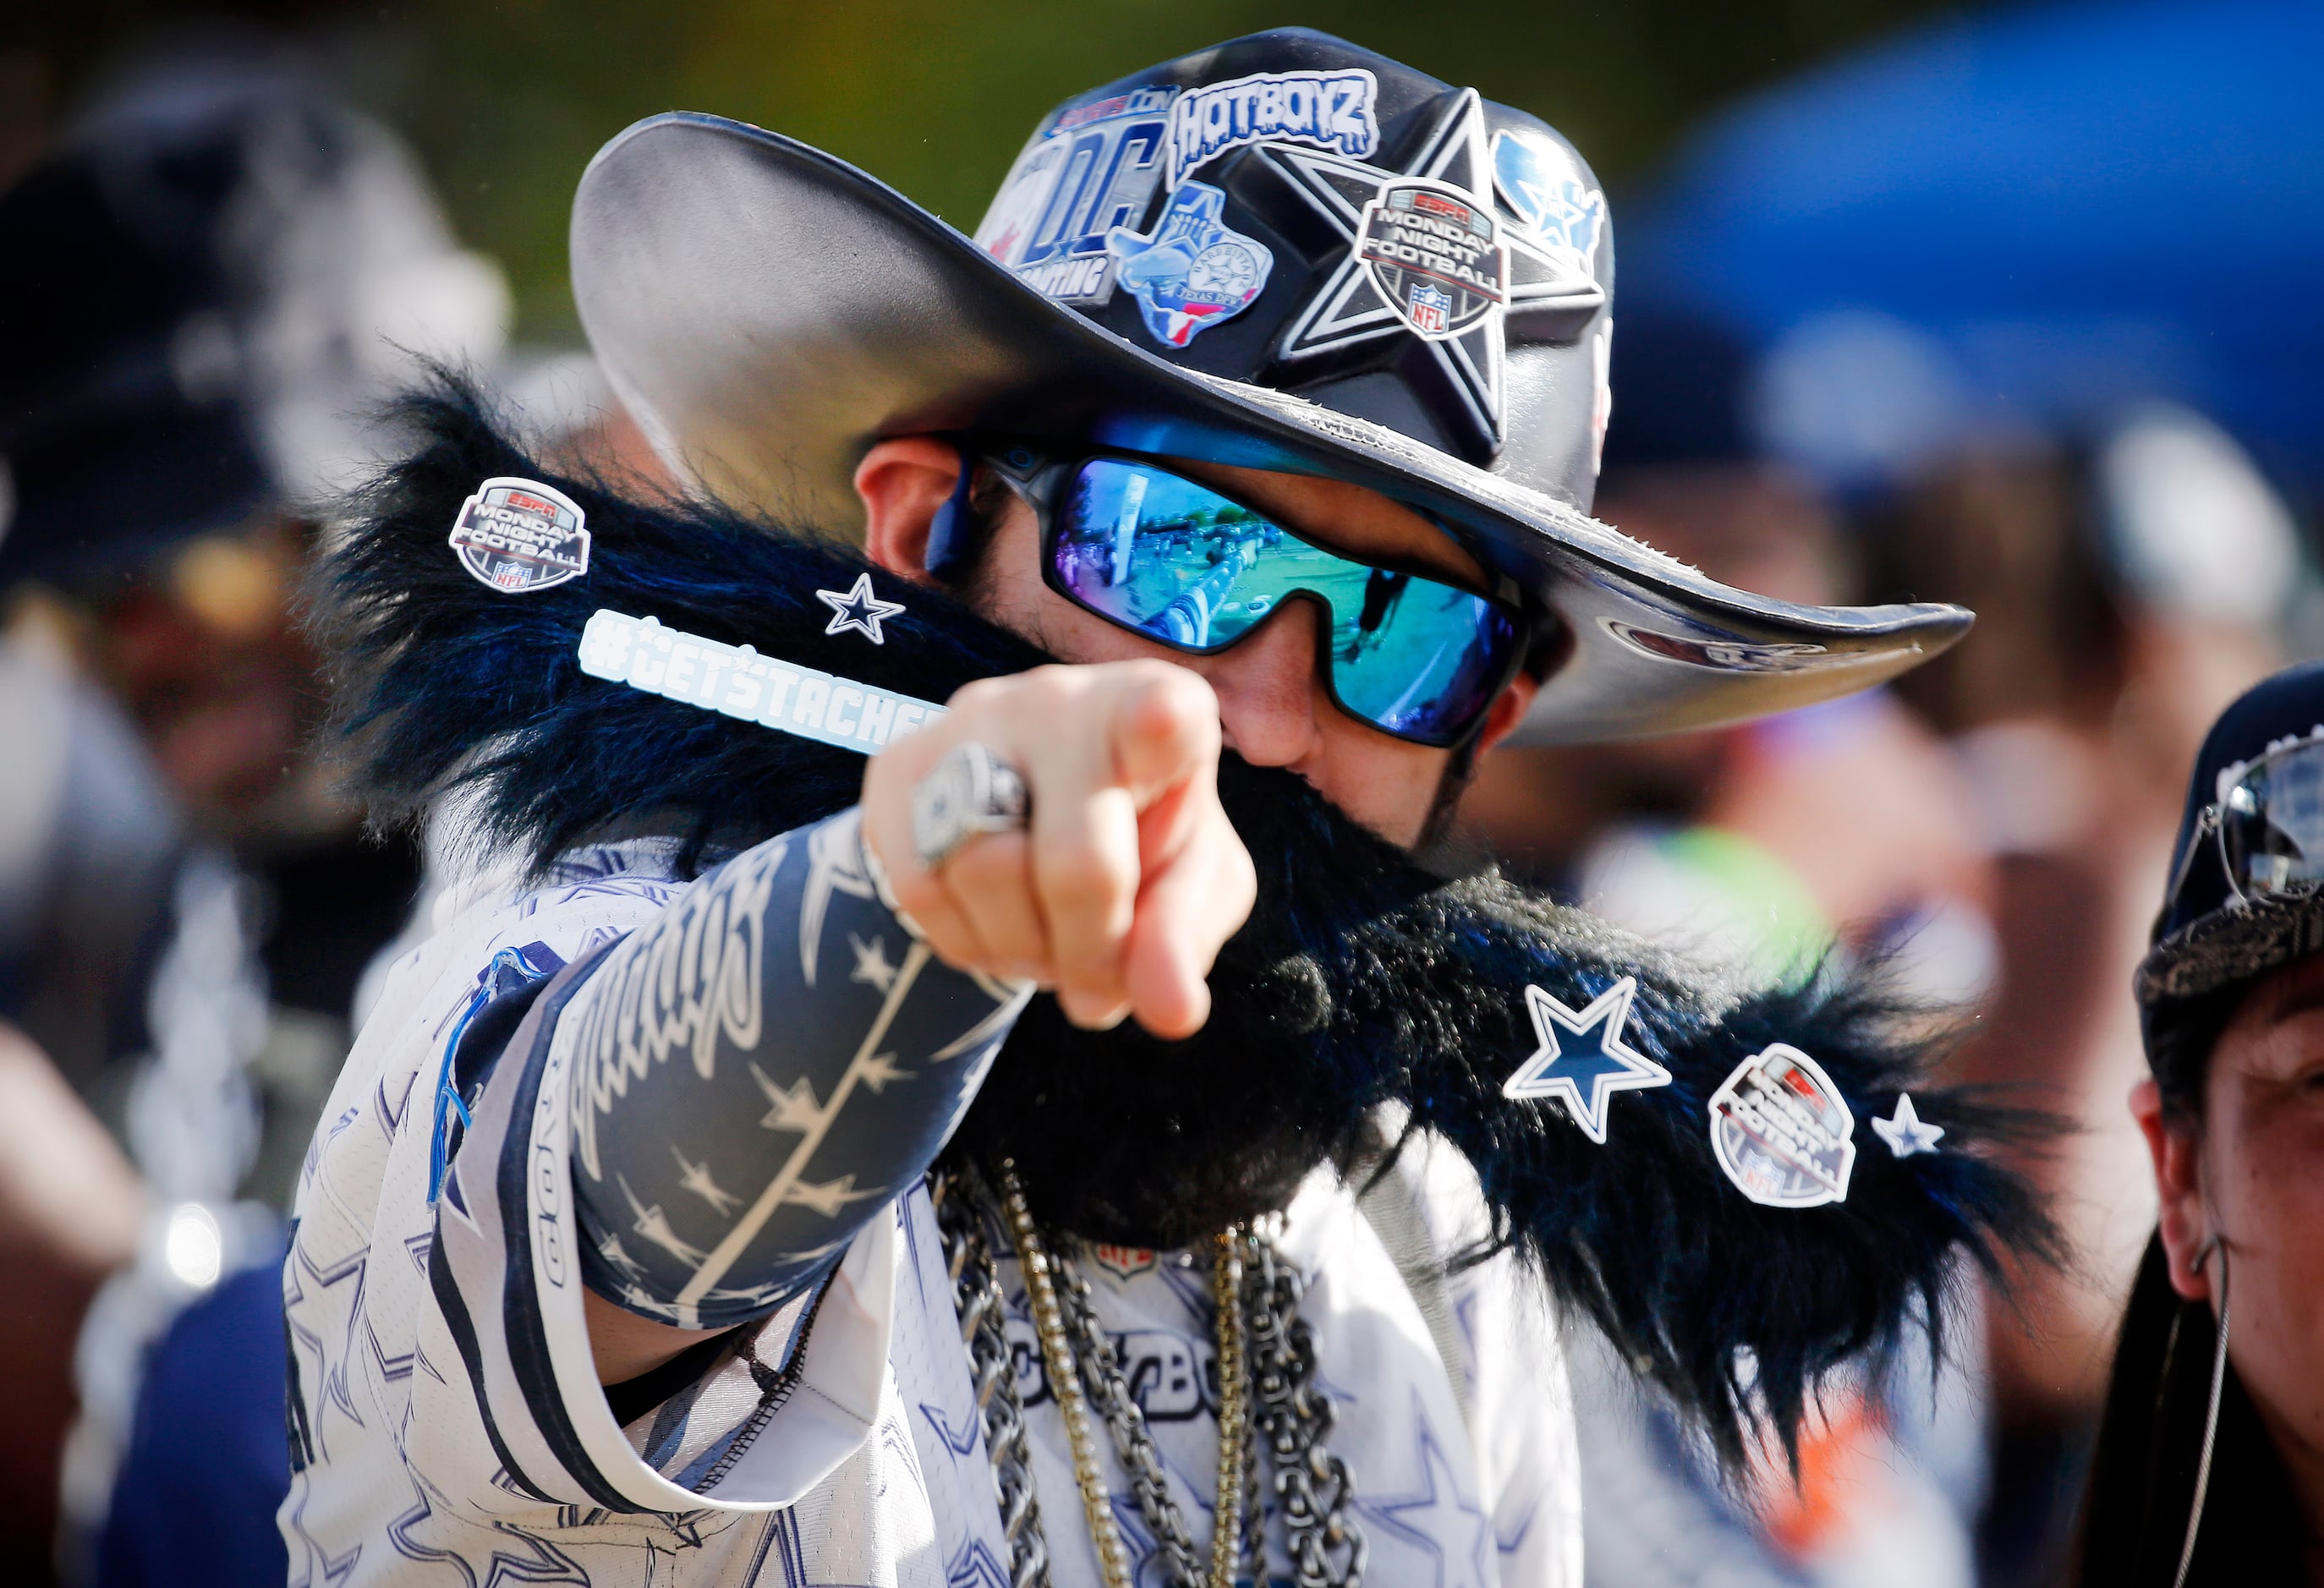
(1781, 1131)
(518, 535)
(1431, 309)
(1436, 253)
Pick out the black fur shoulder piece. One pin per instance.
(440, 681)
(1378, 982)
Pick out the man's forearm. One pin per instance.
(757, 1074)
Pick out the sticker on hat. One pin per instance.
(1349, 305)
(1193, 272)
(1584, 1071)
(1092, 169)
(1436, 255)
(519, 535)
(1333, 110)
(1782, 1132)
(1541, 182)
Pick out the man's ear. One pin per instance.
(1509, 709)
(902, 483)
(2176, 1148)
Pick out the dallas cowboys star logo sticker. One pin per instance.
(1585, 1076)
(857, 608)
(1543, 294)
(1905, 1133)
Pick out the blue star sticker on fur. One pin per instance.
(857, 608)
(1598, 1065)
(1905, 1133)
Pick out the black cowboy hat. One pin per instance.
(2207, 938)
(1284, 252)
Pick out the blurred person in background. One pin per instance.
(203, 283)
(1758, 846)
(1934, 246)
(1766, 842)
(2208, 1466)
(2129, 587)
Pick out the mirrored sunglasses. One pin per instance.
(1195, 570)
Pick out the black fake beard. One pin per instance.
(1361, 978)
(1121, 1135)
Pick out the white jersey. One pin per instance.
(449, 1427)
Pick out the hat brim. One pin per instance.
(2236, 943)
(768, 313)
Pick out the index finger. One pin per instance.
(1128, 746)
(1165, 730)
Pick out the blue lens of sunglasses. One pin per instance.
(1178, 562)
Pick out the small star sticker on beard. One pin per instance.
(1600, 1065)
(857, 608)
(1905, 1133)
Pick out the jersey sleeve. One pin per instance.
(441, 1387)
(754, 1420)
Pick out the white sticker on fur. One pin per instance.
(739, 682)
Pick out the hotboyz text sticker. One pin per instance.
(1327, 109)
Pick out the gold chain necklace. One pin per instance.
(1041, 1273)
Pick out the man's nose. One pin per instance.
(1270, 692)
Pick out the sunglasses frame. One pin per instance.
(2211, 822)
(1038, 473)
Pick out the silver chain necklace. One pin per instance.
(1290, 1417)
(983, 1309)
(1312, 1487)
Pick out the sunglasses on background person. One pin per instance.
(1198, 571)
(2267, 825)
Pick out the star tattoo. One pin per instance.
(1905, 1133)
(795, 1106)
(695, 1178)
(872, 964)
(857, 608)
(1584, 1075)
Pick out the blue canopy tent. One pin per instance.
(2028, 215)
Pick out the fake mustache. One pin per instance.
(1409, 987)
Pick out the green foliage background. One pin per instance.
(507, 100)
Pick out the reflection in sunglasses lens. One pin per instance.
(1196, 570)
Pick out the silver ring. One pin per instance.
(969, 793)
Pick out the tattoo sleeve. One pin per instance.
(758, 1073)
